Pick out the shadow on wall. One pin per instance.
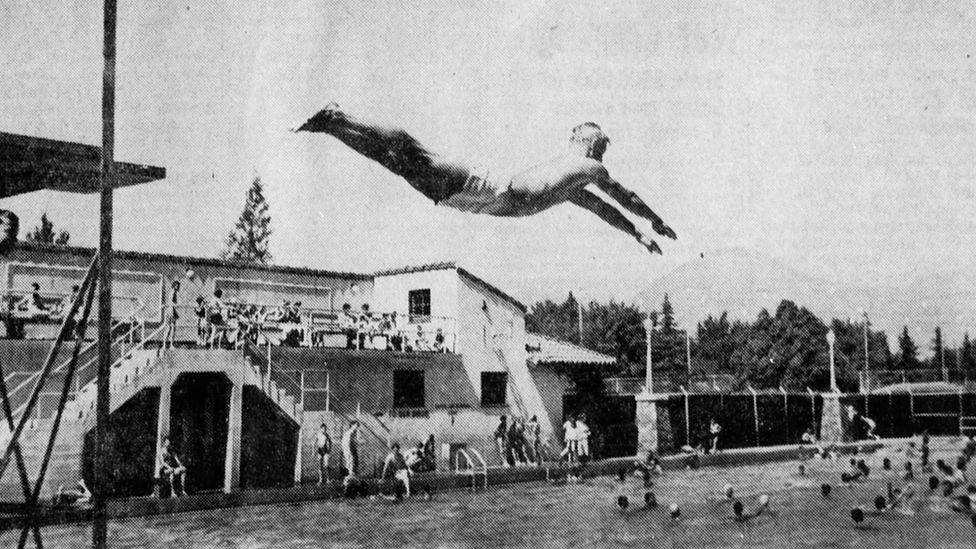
(269, 441)
(132, 446)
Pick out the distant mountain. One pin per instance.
(743, 281)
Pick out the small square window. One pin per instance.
(494, 387)
(419, 302)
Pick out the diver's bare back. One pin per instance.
(468, 188)
(528, 192)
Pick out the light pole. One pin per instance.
(833, 371)
(649, 368)
(867, 361)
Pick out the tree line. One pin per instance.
(786, 348)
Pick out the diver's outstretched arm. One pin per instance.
(589, 201)
(633, 203)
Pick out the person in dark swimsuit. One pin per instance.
(170, 468)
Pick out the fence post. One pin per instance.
(687, 417)
(911, 407)
(813, 412)
(755, 410)
(786, 413)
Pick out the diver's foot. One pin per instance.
(650, 245)
(322, 120)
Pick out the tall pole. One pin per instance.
(649, 362)
(833, 370)
(101, 457)
(688, 353)
(867, 361)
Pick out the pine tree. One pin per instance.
(937, 350)
(967, 361)
(908, 350)
(45, 233)
(249, 239)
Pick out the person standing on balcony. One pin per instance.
(218, 317)
(347, 322)
(350, 450)
(171, 315)
(200, 311)
(396, 335)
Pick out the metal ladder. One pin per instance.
(474, 468)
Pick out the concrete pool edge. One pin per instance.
(147, 506)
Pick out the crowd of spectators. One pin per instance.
(387, 331)
(222, 323)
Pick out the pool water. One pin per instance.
(580, 515)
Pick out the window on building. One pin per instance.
(494, 387)
(408, 389)
(419, 305)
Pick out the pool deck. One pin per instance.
(13, 515)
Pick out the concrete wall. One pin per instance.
(366, 377)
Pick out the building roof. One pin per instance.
(187, 260)
(547, 350)
(30, 164)
(451, 265)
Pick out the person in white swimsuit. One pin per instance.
(470, 188)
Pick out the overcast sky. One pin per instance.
(835, 136)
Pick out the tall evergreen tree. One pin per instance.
(908, 359)
(938, 353)
(967, 360)
(46, 234)
(249, 241)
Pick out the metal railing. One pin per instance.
(233, 322)
(128, 336)
(669, 383)
(19, 304)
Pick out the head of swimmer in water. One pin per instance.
(589, 140)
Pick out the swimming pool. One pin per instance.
(586, 515)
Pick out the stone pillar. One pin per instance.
(232, 463)
(831, 420)
(647, 421)
(162, 419)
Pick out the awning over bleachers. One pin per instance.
(547, 350)
(29, 164)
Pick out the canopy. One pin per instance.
(29, 164)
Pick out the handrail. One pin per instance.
(484, 466)
(117, 341)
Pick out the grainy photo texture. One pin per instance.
(336, 273)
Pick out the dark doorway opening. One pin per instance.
(198, 427)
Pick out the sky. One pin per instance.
(836, 137)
